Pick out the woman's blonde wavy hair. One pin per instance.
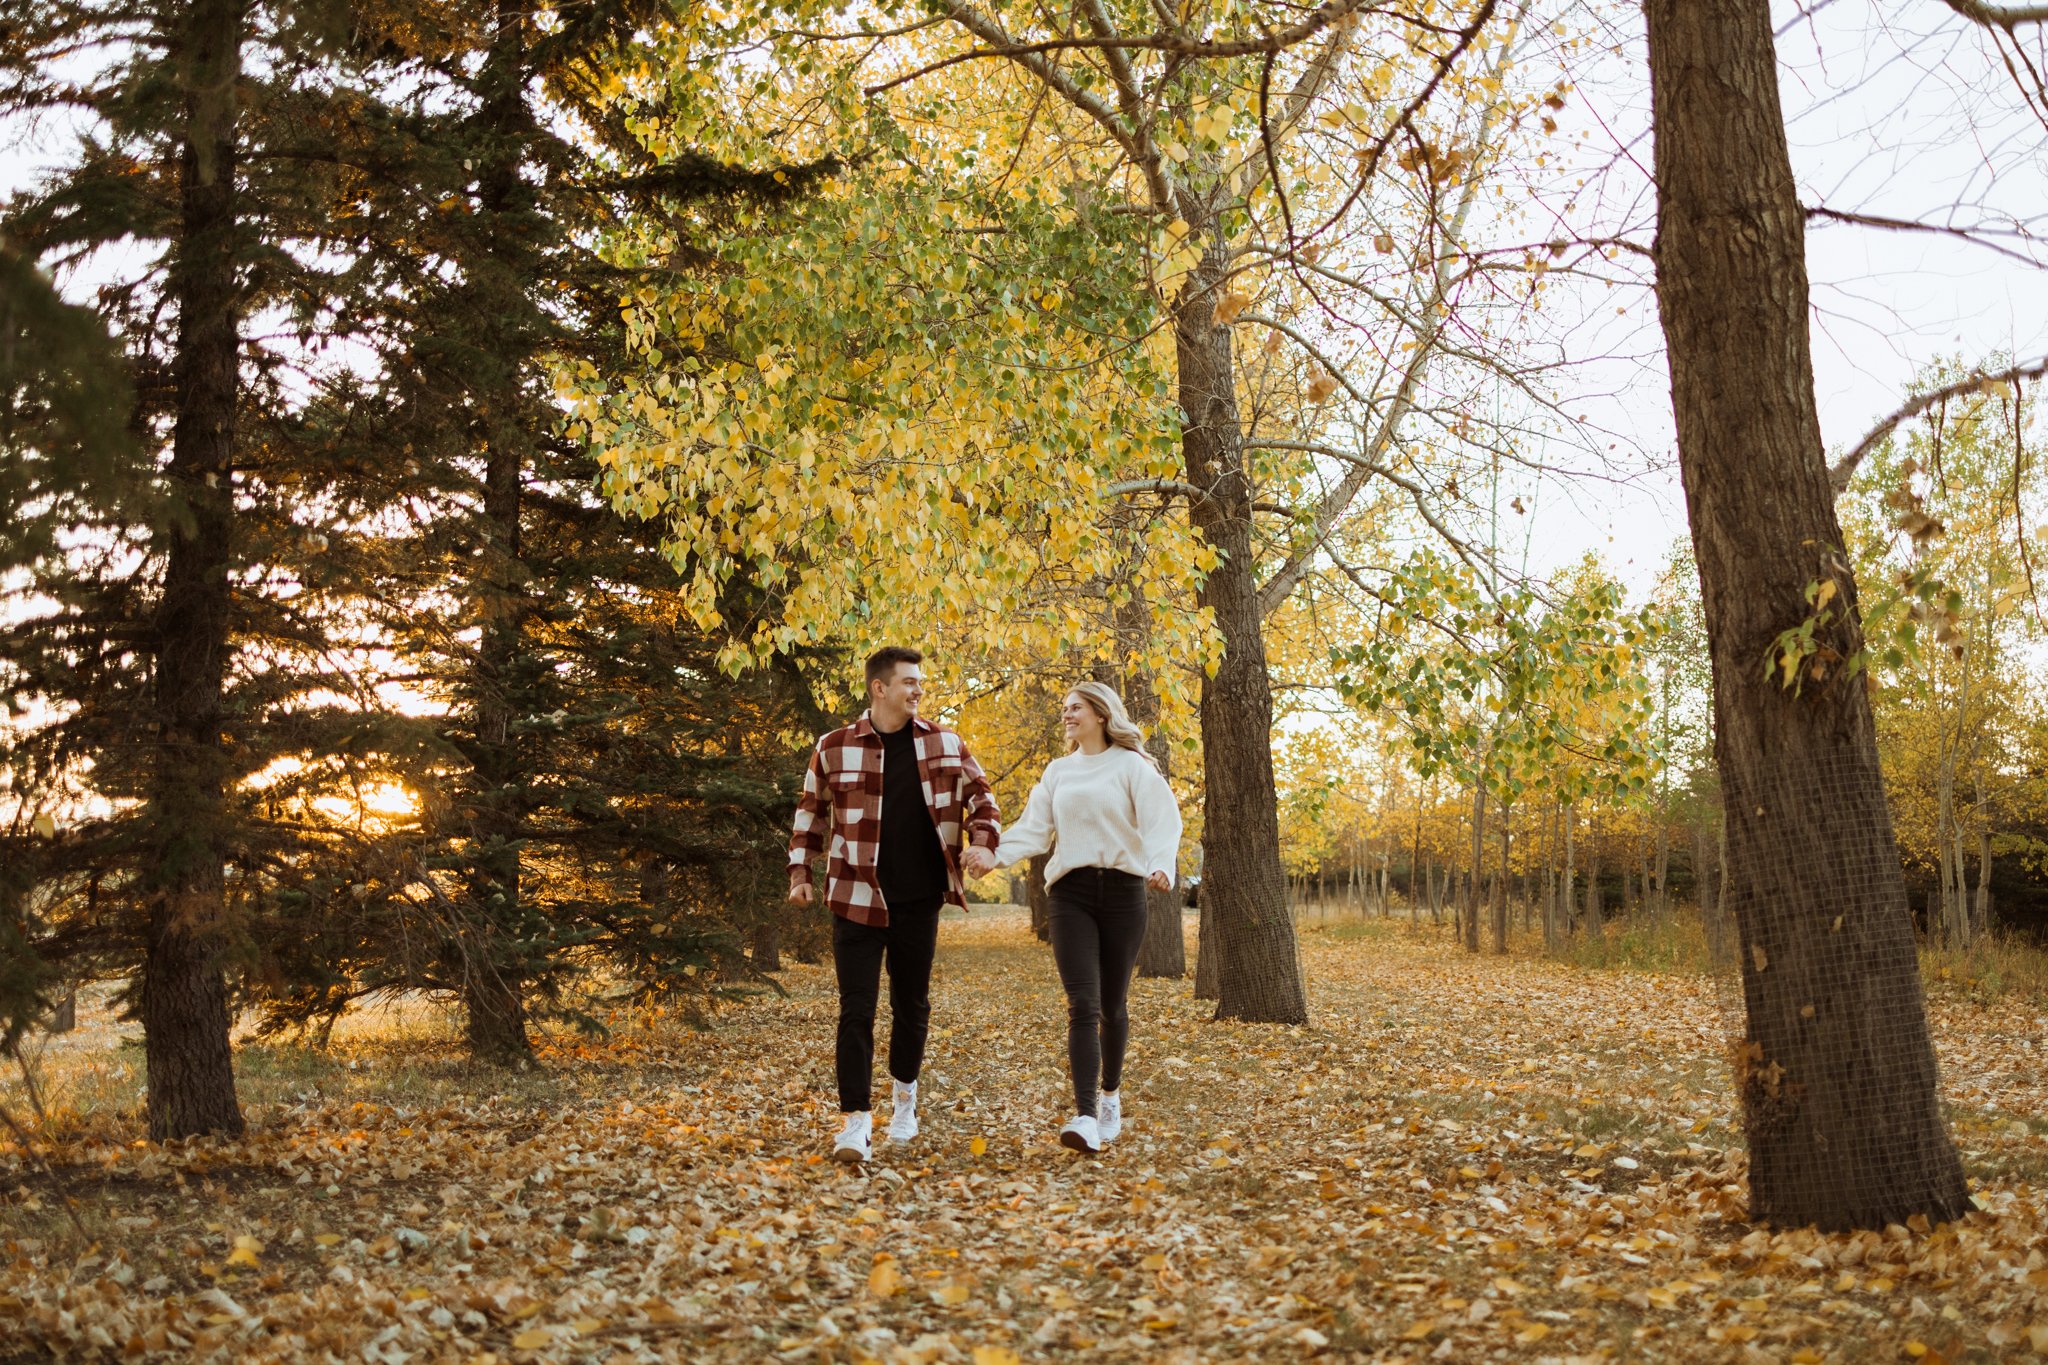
(1117, 727)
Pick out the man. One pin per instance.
(897, 793)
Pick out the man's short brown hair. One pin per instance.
(882, 663)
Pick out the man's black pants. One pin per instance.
(908, 943)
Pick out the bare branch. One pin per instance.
(2007, 17)
(1845, 468)
(1974, 236)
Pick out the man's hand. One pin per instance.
(800, 893)
(977, 862)
(1159, 881)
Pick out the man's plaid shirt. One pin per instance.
(843, 795)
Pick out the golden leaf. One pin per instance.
(533, 1338)
(951, 1295)
(1532, 1334)
(885, 1279)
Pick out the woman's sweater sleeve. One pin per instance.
(1031, 835)
(1159, 825)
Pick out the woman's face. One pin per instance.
(1081, 723)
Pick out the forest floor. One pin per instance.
(1461, 1158)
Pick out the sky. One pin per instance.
(1901, 111)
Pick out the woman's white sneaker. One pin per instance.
(855, 1143)
(903, 1113)
(1081, 1134)
(1109, 1115)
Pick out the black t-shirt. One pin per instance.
(911, 865)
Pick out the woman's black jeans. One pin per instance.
(1097, 919)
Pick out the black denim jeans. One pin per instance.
(908, 943)
(1097, 921)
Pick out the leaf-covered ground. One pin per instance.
(1462, 1159)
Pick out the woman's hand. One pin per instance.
(977, 862)
(1159, 881)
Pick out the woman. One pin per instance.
(1113, 828)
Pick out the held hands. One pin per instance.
(800, 893)
(1159, 881)
(977, 862)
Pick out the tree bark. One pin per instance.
(1036, 897)
(493, 991)
(1468, 928)
(1244, 887)
(1837, 1072)
(184, 1007)
(1500, 891)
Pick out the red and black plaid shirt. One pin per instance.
(843, 795)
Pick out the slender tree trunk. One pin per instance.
(1981, 919)
(767, 945)
(1837, 1074)
(1036, 897)
(1244, 886)
(184, 1003)
(493, 967)
(1500, 891)
(1569, 896)
(1164, 950)
(1469, 904)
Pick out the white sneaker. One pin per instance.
(903, 1115)
(1081, 1134)
(1109, 1115)
(855, 1143)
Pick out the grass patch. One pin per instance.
(1676, 943)
(1999, 966)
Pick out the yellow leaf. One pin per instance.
(1154, 1262)
(1533, 1333)
(885, 1279)
(1806, 1355)
(245, 1252)
(45, 826)
(586, 1327)
(1916, 1349)
(979, 1146)
(533, 1338)
(996, 1355)
(326, 1239)
(951, 1295)
(870, 1214)
(1419, 1330)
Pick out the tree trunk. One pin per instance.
(492, 971)
(1500, 891)
(1469, 905)
(184, 1002)
(1244, 887)
(1163, 952)
(1837, 1073)
(1035, 896)
(1981, 918)
(767, 945)
(1567, 895)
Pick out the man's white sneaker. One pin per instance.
(855, 1143)
(903, 1116)
(1081, 1134)
(1109, 1115)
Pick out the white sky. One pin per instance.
(1904, 114)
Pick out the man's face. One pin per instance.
(902, 691)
